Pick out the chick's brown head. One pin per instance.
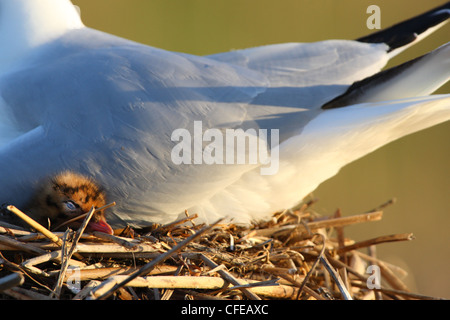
(66, 196)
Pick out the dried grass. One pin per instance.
(296, 255)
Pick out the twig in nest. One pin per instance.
(337, 279)
(20, 245)
(55, 255)
(24, 294)
(86, 290)
(109, 237)
(54, 238)
(161, 258)
(267, 283)
(315, 225)
(188, 216)
(65, 259)
(15, 267)
(384, 205)
(173, 224)
(288, 277)
(71, 251)
(12, 280)
(229, 277)
(308, 275)
(103, 273)
(377, 240)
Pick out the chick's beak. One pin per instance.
(100, 225)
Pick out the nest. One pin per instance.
(297, 255)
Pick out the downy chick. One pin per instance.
(66, 196)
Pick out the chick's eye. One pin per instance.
(70, 205)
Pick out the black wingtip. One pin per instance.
(359, 88)
(406, 32)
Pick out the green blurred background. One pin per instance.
(415, 169)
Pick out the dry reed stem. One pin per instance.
(71, 252)
(104, 273)
(342, 288)
(161, 258)
(24, 294)
(12, 229)
(18, 245)
(377, 240)
(230, 278)
(315, 225)
(35, 225)
(11, 280)
(175, 282)
(87, 289)
(175, 223)
(127, 243)
(103, 248)
(266, 288)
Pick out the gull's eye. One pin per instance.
(70, 205)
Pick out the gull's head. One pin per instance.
(66, 196)
(28, 24)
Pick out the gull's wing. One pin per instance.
(330, 62)
(288, 63)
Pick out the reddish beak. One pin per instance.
(101, 226)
